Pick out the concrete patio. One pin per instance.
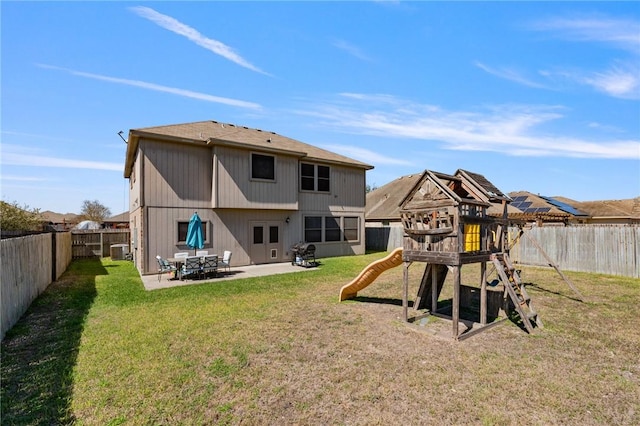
(234, 273)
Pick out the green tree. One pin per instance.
(93, 210)
(16, 218)
(369, 188)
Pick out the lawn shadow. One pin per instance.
(381, 300)
(40, 351)
(557, 293)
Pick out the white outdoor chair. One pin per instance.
(202, 253)
(164, 266)
(210, 264)
(226, 260)
(191, 266)
(181, 255)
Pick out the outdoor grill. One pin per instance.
(303, 254)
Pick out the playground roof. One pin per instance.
(384, 202)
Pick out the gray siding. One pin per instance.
(135, 197)
(235, 189)
(227, 229)
(347, 192)
(180, 178)
(177, 175)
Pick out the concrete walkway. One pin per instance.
(151, 281)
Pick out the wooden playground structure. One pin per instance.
(447, 225)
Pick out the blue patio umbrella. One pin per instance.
(195, 237)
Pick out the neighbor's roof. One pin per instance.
(119, 218)
(54, 217)
(215, 133)
(629, 208)
(541, 205)
(383, 203)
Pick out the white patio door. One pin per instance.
(266, 242)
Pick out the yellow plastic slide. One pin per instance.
(370, 273)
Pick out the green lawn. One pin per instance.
(97, 349)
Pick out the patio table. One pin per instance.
(177, 262)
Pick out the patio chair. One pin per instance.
(226, 260)
(202, 252)
(181, 254)
(210, 264)
(191, 267)
(164, 266)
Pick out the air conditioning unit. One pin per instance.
(119, 251)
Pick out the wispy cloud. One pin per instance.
(34, 135)
(619, 81)
(509, 74)
(18, 156)
(508, 129)
(616, 82)
(177, 27)
(366, 155)
(351, 49)
(158, 88)
(620, 33)
(22, 178)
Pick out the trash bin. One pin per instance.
(119, 251)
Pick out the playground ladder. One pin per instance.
(516, 290)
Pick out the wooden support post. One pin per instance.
(483, 293)
(456, 301)
(405, 291)
(434, 288)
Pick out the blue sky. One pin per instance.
(539, 96)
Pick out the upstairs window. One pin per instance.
(307, 177)
(263, 167)
(314, 177)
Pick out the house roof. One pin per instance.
(211, 132)
(119, 218)
(54, 217)
(629, 208)
(541, 207)
(383, 203)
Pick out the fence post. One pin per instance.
(54, 256)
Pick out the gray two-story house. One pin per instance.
(257, 193)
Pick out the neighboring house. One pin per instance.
(59, 222)
(257, 193)
(545, 210)
(383, 203)
(119, 221)
(615, 212)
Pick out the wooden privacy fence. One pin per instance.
(29, 264)
(385, 238)
(97, 243)
(605, 249)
